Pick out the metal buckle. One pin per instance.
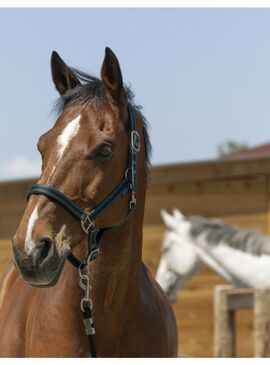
(132, 203)
(135, 141)
(87, 222)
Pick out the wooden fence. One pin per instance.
(227, 300)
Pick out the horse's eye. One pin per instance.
(103, 152)
(164, 249)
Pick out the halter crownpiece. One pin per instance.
(88, 217)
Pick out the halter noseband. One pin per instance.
(88, 218)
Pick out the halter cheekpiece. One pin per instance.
(88, 218)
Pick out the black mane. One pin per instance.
(91, 89)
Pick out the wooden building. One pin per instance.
(237, 190)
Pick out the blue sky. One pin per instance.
(201, 75)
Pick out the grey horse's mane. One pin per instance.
(217, 232)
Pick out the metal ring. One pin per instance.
(126, 173)
(135, 141)
(86, 300)
(85, 285)
(90, 257)
(83, 266)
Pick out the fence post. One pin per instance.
(224, 323)
(262, 322)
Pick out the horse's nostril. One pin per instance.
(43, 249)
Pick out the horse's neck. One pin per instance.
(226, 267)
(116, 273)
(216, 265)
(243, 267)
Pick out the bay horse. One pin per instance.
(193, 242)
(84, 168)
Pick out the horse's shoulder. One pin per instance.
(158, 306)
(151, 285)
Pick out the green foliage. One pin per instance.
(230, 146)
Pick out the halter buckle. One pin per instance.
(132, 203)
(135, 141)
(87, 222)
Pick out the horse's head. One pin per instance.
(84, 156)
(179, 258)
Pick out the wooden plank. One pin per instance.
(249, 221)
(262, 322)
(218, 205)
(233, 186)
(207, 170)
(240, 300)
(224, 327)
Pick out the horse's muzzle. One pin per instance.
(41, 268)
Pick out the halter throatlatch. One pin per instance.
(88, 217)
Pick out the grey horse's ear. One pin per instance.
(63, 77)
(111, 76)
(177, 214)
(168, 219)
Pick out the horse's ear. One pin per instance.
(168, 219)
(111, 76)
(63, 77)
(177, 214)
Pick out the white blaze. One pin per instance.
(29, 243)
(67, 134)
(65, 138)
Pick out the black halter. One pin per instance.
(88, 218)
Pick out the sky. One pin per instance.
(202, 76)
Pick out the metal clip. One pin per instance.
(88, 324)
(132, 203)
(135, 141)
(86, 222)
(84, 283)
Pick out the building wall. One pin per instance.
(237, 191)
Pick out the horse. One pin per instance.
(241, 257)
(94, 175)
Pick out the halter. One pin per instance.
(88, 217)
